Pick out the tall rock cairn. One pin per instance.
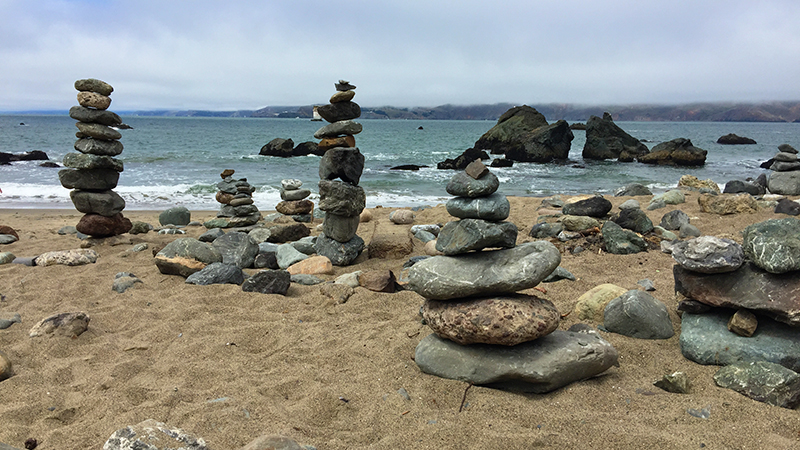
(236, 197)
(342, 199)
(93, 172)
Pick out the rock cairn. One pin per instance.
(294, 202)
(93, 172)
(237, 208)
(785, 178)
(340, 169)
(472, 297)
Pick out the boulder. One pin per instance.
(543, 144)
(639, 315)
(674, 220)
(340, 253)
(494, 207)
(103, 226)
(620, 241)
(724, 204)
(762, 381)
(606, 140)
(466, 235)
(98, 147)
(540, 366)
(732, 139)
(678, 152)
(634, 220)
(738, 186)
(511, 125)
(268, 282)
(708, 254)
(512, 270)
(463, 185)
(343, 110)
(105, 203)
(774, 245)
(185, 256)
(177, 215)
(784, 183)
(500, 320)
(308, 148)
(278, 147)
(595, 206)
(237, 249)
(341, 162)
(463, 160)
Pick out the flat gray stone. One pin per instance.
(708, 254)
(484, 273)
(463, 185)
(89, 161)
(98, 147)
(540, 366)
(341, 128)
(124, 281)
(774, 245)
(217, 273)
(639, 315)
(268, 282)
(466, 235)
(762, 381)
(340, 253)
(288, 255)
(185, 256)
(596, 206)
(106, 203)
(8, 239)
(494, 207)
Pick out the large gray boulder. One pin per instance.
(278, 147)
(620, 241)
(543, 144)
(340, 253)
(177, 215)
(540, 366)
(677, 152)
(784, 183)
(484, 273)
(606, 140)
(513, 124)
(774, 245)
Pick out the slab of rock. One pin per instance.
(236, 248)
(484, 273)
(287, 233)
(89, 179)
(88, 161)
(98, 147)
(708, 254)
(595, 206)
(343, 110)
(217, 273)
(97, 131)
(77, 257)
(64, 324)
(314, 265)
(748, 287)
(494, 207)
(336, 129)
(674, 220)
(185, 256)
(463, 185)
(606, 140)
(679, 152)
(539, 366)
(466, 235)
(774, 245)
(592, 304)
(724, 204)
(639, 315)
(705, 339)
(89, 115)
(620, 241)
(501, 320)
(268, 282)
(93, 85)
(762, 381)
(340, 253)
(288, 255)
(153, 435)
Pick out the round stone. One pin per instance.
(463, 185)
(507, 320)
(494, 207)
(93, 100)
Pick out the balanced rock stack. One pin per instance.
(237, 208)
(472, 297)
(785, 178)
(294, 201)
(93, 173)
(342, 199)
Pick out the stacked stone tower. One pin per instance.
(93, 172)
(340, 169)
(237, 208)
(294, 202)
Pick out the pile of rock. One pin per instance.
(343, 199)
(236, 197)
(472, 297)
(93, 173)
(294, 203)
(785, 178)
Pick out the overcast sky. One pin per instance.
(223, 55)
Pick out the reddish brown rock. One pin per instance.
(341, 141)
(476, 169)
(224, 197)
(101, 226)
(4, 229)
(378, 281)
(506, 320)
(294, 207)
(743, 323)
(227, 173)
(315, 265)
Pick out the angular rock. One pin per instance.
(102, 226)
(336, 129)
(153, 435)
(344, 199)
(178, 215)
(544, 144)
(185, 256)
(477, 170)
(639, 315)
(592, 304)
(500, 320)
(540, 366)
(634, 220)
(619, 241)
(606, 140)
(344, 163)
(674, 220)
(293, 207)
(510, 127)
(727, 203)
(762, 381)
(288, 255)
(737, 187)
(217, 273)
(314, 265)
(743, 322)
(466, 235)
(64, 324)
(633, 189)
(679, 152)
(448, 277)
(236, 248)
(91, 179)
(88, 161)
(494, 207)
(338, 111)
(708, 254)
(340, 253)
(463, 185)
(774, 245)
(340, 228)
(595, 206)
(676, 382)
(76, 257)
(278, 147)
(288, 233)
(268, 282)
(545, 230)
(378, 281)
(695, 184)
(337, 292)
(748, 287)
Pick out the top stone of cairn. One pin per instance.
(94, 85)
(343, 85)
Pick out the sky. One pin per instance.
(229, 55)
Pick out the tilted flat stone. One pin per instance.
(89, 179)
(344, 199)
(705, 339)
(345, 127)
(77, 257)
(500, 320)
(288, 255)
(463, 185)
(772, 295)
(342, 162)
(217, 273)
(774, 245)
(98, 147)
(620, 241)
(494, 207)
(296, 194)
(98, 131)
(595, 206)
(94, 85)
(87, 115)
(466, 235)
(708, 254)
(105, 203)
(342, 96)
(762, 381)
(88, 161)
(484, 273)
(338, 111)
(540, 366)
(185, 256)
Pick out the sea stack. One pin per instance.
(237, 208)
(93, 172)
(340, 169)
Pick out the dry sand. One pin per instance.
(229, 365)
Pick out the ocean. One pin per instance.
(177, 161)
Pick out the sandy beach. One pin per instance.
(229, 366)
